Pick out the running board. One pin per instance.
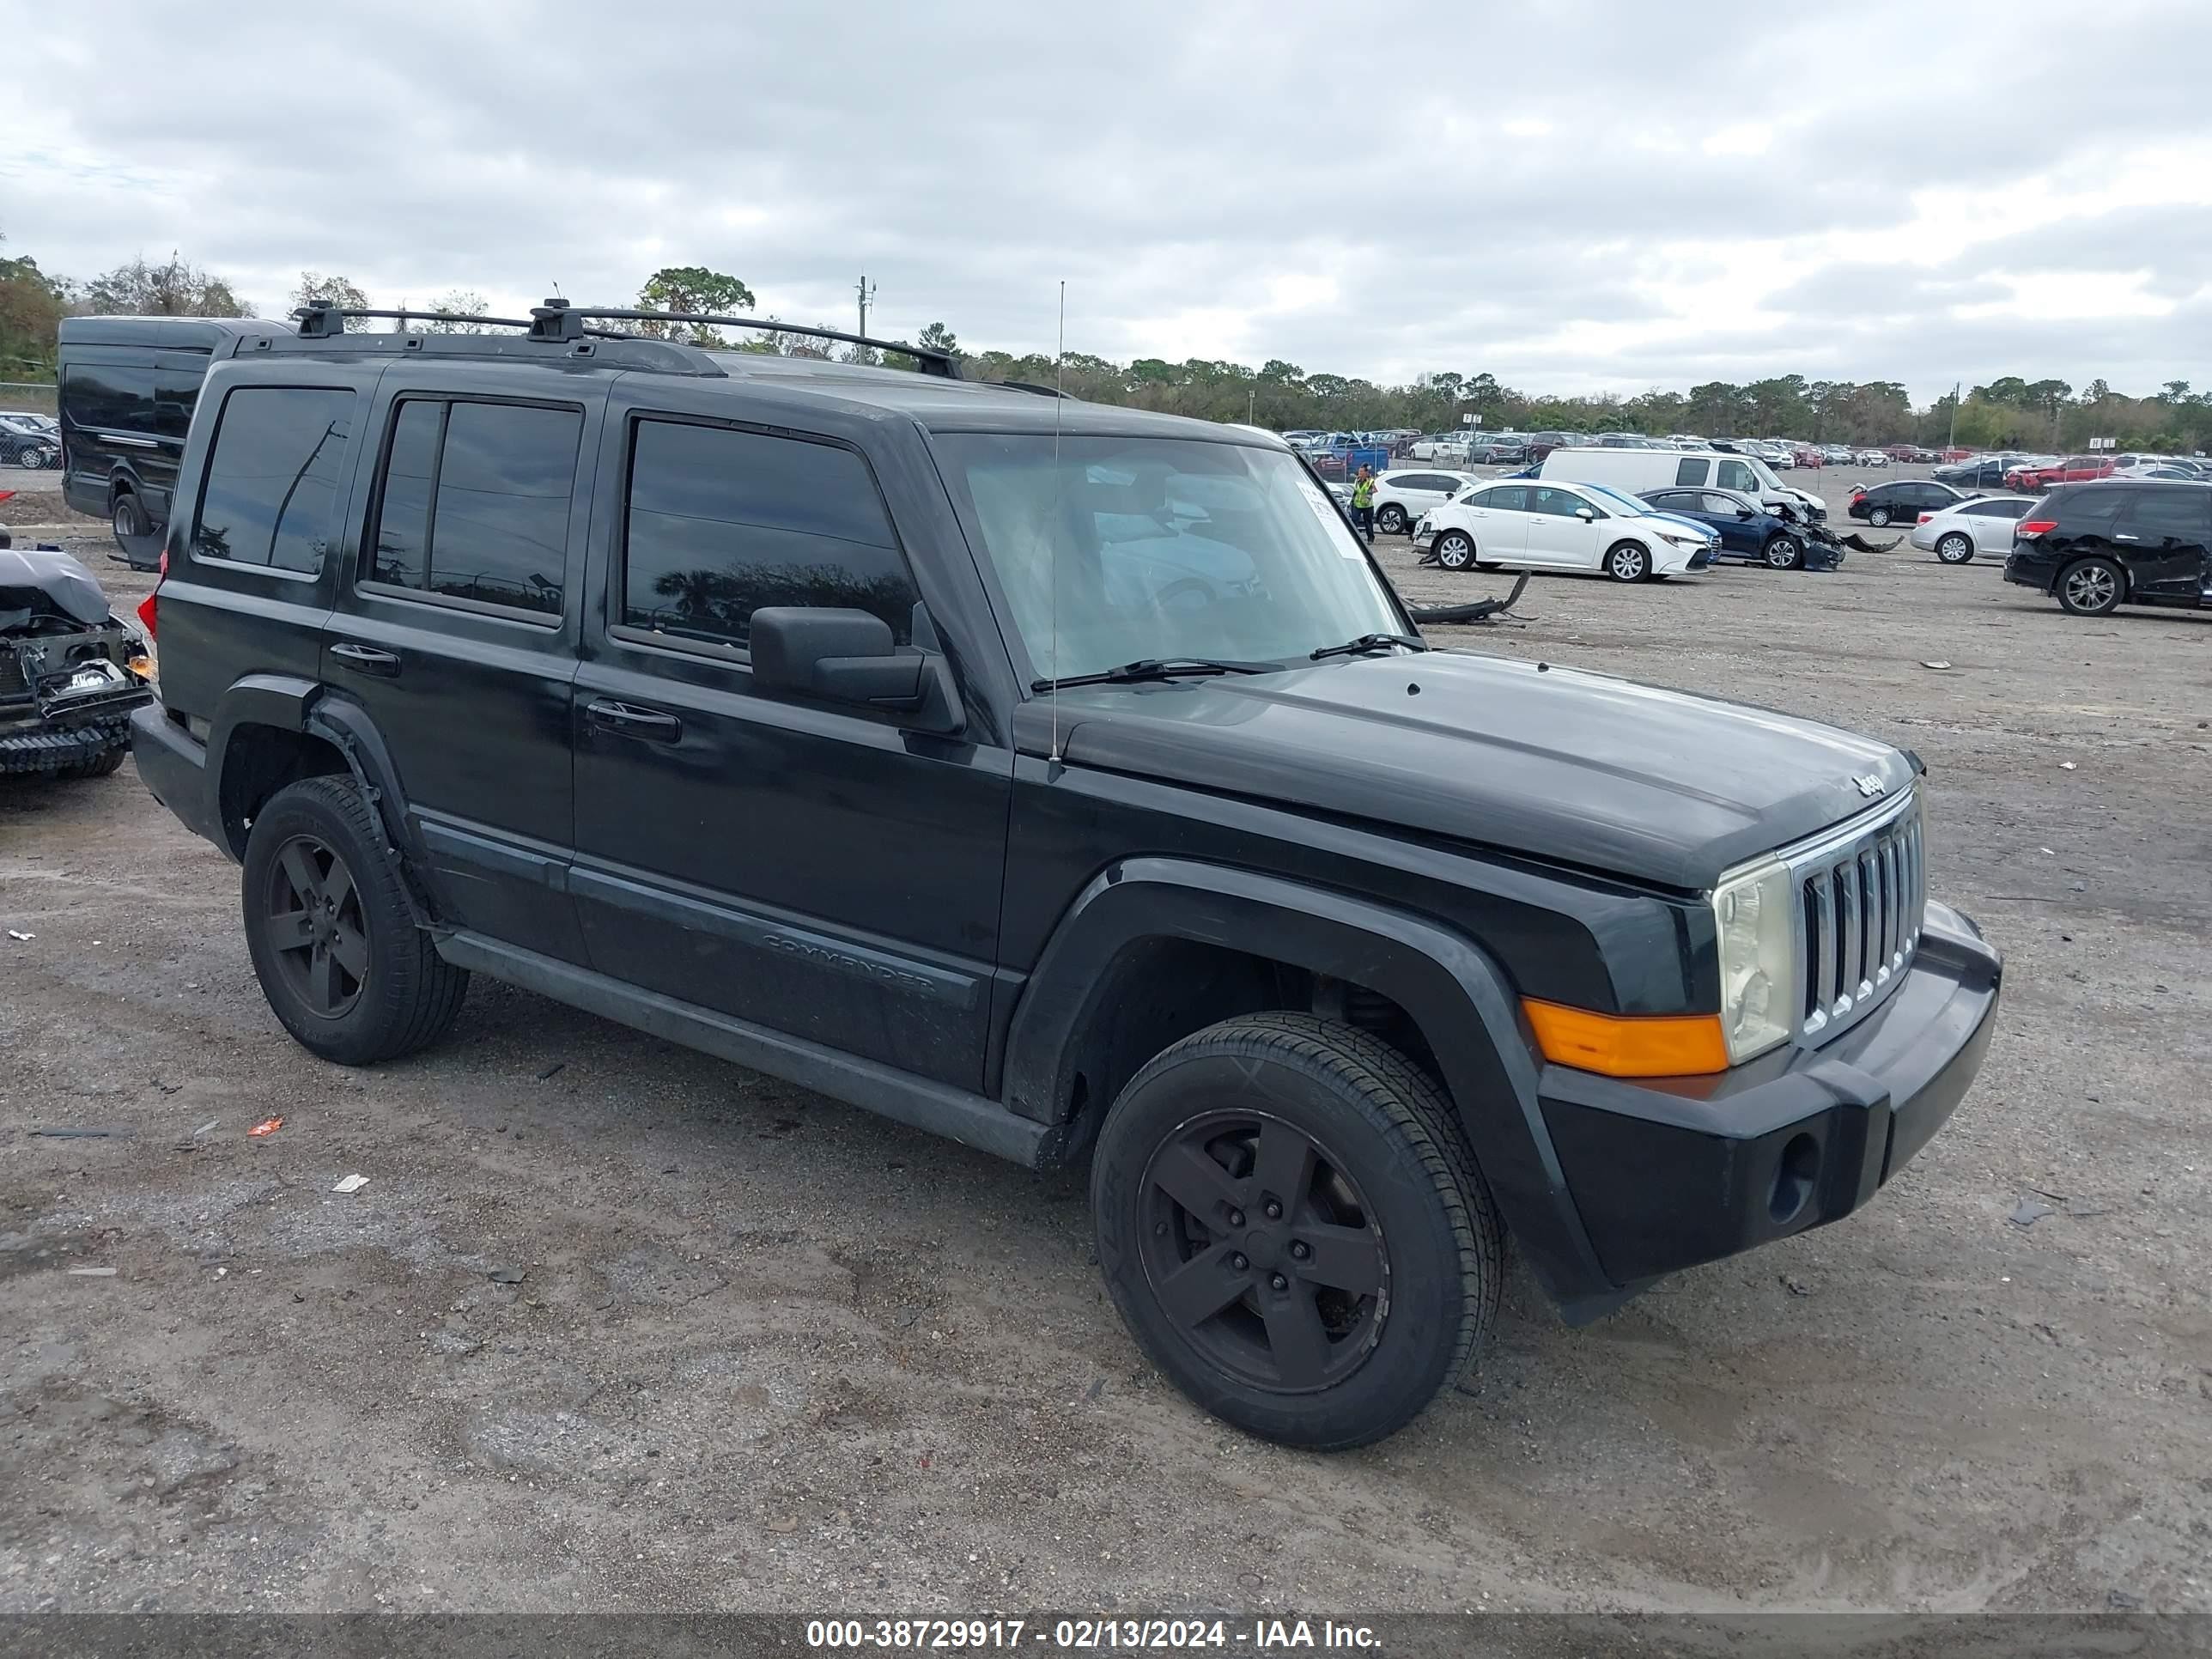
(916, 1102)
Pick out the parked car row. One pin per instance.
(31, 441)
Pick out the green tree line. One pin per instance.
(2011, 412)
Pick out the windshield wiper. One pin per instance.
(1369, 642)
(1157, 668)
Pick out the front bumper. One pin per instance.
(1669, 1173)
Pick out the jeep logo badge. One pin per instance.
(1871, 784)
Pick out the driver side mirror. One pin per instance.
(1743, 513)
(849, 657)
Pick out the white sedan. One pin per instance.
(1543, 525)
(1404, 494)
(1980, 524)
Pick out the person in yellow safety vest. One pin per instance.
(1363, 503)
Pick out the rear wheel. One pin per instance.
(1455, 549)
(1783, 552)
(1390, 519)
(126, 519)
(333, 940)
(1290, 1221)
(1628, 561)
(2090, 587)
(1878, 516)
(1954, 549)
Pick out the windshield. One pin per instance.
(1128, 549)
(1626, 507)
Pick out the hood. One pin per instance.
(1557, 763)
(34, 583)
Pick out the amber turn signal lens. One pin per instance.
(1677, 1045)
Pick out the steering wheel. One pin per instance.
(1193, 584)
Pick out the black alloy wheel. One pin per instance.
(1263, 1252)
(310, 917)
(1291, 1219)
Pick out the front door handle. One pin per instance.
(369, 660)
(653, 724)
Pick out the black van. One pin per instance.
(128, 386)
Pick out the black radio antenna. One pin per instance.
(1052, 528)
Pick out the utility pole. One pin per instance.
(867, 291)
(1955, 385)
(1251, 406)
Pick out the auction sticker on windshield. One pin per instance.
(1325, 510)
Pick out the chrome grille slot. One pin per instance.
(1862, 895)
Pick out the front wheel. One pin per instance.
(1390, 519)
(1628, 561)
(1455, 549)
(332, 938)
(1878, 517)
(1785, 553)
(1954, 549)
(2090, 587)
(1292, 1223)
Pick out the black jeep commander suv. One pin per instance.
(1064, 778)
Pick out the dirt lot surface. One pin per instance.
(766, 1353)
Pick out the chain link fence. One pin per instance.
(27, 397)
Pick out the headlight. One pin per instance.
(1758, 956)
(1683, 539)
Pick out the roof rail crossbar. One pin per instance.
(320, 318)
(556, 319)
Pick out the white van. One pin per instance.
(1636, 471)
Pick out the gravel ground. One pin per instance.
(766, 1353)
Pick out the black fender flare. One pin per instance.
(290, 703)
(1452, 987)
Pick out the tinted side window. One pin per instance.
(2182, 514)
(1724, 505)
(1559, 503)
(1691, 472)
(1508, 498)
(2087, 508)
(722, 523)
(475, 502)
(104, 395)
(273, 477)
(175, 392)
(1734, 475)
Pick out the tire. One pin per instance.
(1488, 565)
(358, 982)
(1390, 519)
(1784, 553)
(1455, 549)
(2090, 587)
(125, 519)
(103, 767)
(1628, 561)
(1878, 516)
(1382, 1159)
(1954, 549)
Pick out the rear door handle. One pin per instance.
(654, 724)
(369, 660)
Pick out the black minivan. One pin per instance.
(2093, 546)
(128, 386)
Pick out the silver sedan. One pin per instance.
(1980, 524)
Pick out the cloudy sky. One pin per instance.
(1578, 195)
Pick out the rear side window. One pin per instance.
(2085, 506)
(722, 523)
(271, 493)
(105, 395)
(2181, 515)
(1506, 498)
(475, 502)
(1691, 471)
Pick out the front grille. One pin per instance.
(1861, 893)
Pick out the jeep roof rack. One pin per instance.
(556, 319)
(320, 319)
